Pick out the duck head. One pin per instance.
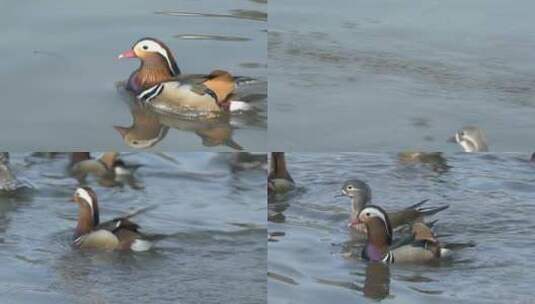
(88, 214)
(379, 232)
(360, 194)
(471, 139)
(157, 64)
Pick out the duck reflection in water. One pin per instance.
(150, 127)
(377, 282)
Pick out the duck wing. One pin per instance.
(413, 213)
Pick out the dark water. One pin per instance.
(60, 70)
(214, 216)
(491, 198)
(387, 75)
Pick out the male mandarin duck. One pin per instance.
(361, 196)
(117, 234)
(421, 247)
(158, 82)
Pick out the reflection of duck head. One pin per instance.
(145, 131)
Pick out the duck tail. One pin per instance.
(432, 210)
(415, 206)
(457, 246)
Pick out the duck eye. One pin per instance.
(461, 133)
(135, 142)
(367, 214)
(349, 187)
(145, 47)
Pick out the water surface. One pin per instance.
(61, 69)
(491, 198)
(387, 75)
(213, 214)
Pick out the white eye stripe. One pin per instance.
(82, 193)
(152, 46)
(376, 213)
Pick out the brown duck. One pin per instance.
(421, 247)
(117, 234)
(159, 83)
(279, 179)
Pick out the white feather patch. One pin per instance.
(153, 46)
(445, 253)
(122, 171)
(83, 194)
(376, 213)
(236, 106)
(140, 245)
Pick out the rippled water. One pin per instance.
(213, 214)
(340, 71)
(61, 69)
(491, 199)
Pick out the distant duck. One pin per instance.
(471, 139)
(117, 234)
(361, 196)
(421, 247)
(8, 181)
(279, 179)
(109, 169)
(108, 165)
(532, 159)
(434, 160)
(158, 82)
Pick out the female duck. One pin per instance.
(361, 196)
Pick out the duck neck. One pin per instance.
(278, 167)
(357, 204)
(153, 70)
(378, 244)
(85, 222)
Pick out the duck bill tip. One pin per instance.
(451, 139)
(354, 223)
(127, 54)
